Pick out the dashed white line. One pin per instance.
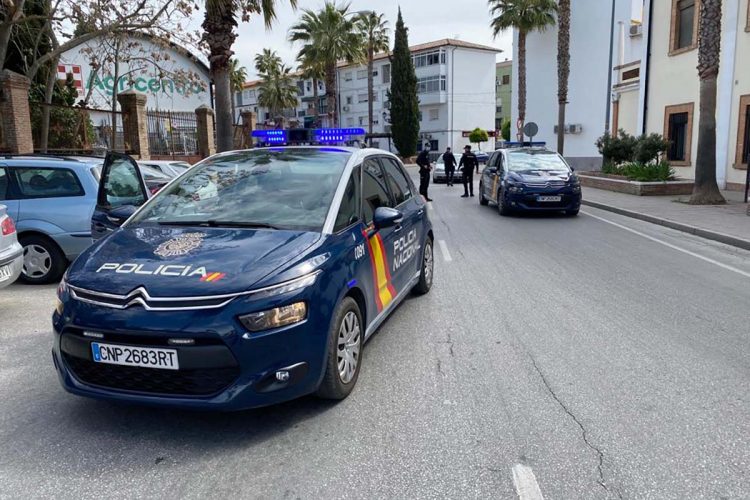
(674, 247)
(525, 482)
(444, 250)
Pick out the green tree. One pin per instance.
(267, 62)
(238, 78)
(705, 190)
(563, 68)
(403, 94)
(278, 92)
(478, 136)
(506, 130)
(328, 36)
(525, 16)
(374, 30)
(219, 34)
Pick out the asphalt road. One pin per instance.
(608, 356)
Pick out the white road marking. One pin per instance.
(444, 250)
(525, 482)
(674, 247)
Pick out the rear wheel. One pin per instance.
(502, 206)
(345, 343)
(428, 267)
(43, 261)
(482, 200)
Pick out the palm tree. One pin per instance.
(237, 80)
(328, 36)
(312, 70)
(563, 68)
(219, 34)
(705, 190)
(278, 92)
(267, 62)
(525, 16)
(374, 31)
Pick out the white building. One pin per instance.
(456, 90)
(456, 82)
(589, 94)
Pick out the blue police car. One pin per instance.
(254, 278)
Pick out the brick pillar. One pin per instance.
(206, 135)
(134, 123)
(249, 123)
(14, 112)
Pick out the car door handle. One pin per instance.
(397, 228)
(421, 211)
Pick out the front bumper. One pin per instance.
(13, 257)
(226, 369)
(529, 200)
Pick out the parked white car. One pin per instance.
(11, 252)
(172, 168)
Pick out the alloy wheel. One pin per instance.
(429, 263)
(37, 261)
(348, 347)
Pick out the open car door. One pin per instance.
(121, 192)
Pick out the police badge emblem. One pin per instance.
(180, 245)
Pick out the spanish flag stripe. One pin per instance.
(374, 273)
(389, 280)
(381, 276)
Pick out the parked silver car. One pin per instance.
(11, 252)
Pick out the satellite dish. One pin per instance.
(531, 129)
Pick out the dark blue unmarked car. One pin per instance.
(254, 278)
(529, 179)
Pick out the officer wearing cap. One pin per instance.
(423, 160)
(467, 165)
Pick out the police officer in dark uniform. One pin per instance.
(450, 165)
(423, 160)
(467, 165)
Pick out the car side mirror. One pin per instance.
(119, 215)
(386, 217)
(572, 169)
(492, 170)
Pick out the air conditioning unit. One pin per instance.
(387, 129)
(636, 29)
(575, 128)
(346, 109)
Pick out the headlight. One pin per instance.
(515, 188)
(62, 288)
(275, 318)
(287, 286)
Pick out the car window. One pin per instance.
(349, 209)
(180, 166)
(288, 188)
(374, 190)
(400, 187)
(122, 187)
(3, 184)
(48, 183)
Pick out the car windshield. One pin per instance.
(281, 189)
(547, 161)
(179, 166)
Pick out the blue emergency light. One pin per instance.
(271, 136)
(524, 144)
(335, 135)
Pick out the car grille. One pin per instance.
(546, 184)
(141, 297)
(200, 382)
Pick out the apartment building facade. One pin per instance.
(503, 92)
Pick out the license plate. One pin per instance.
(5, 273)
(549, 198)
(144, 357)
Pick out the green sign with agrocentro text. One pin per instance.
(151, 85)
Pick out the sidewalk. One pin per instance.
(727, 224)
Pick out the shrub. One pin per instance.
(649, 148)
(506, 130)
(618, 149)
(647, 172)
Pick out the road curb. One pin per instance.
(685, 228)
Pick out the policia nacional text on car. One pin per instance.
(253, 278)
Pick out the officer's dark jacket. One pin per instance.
(423, 160)
(468, 162)
(449, 160)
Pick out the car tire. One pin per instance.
(347, 329)
(48, 264)
(572, 213)
(482, 200)
(427, 272)
(502, 208)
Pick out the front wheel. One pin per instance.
(482, 199)
(502, 206)
(345, 343)
(426, 274)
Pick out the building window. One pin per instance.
(361, 74)
(362, 97)
(430, 84)
(362, 120)
(631, 74)
(434, 114)
(678, 129)
(348, 99)
(348, 76)
(684, 29)
(743, 134)
(498, 109)
(506, 79)
(300, 87)
(308, 86)
(429, 58)
(386, 73)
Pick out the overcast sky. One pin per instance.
(427, 20)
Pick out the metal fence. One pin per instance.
(172, 133)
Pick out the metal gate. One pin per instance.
(172, 133)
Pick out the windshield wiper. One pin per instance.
(216, 223)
